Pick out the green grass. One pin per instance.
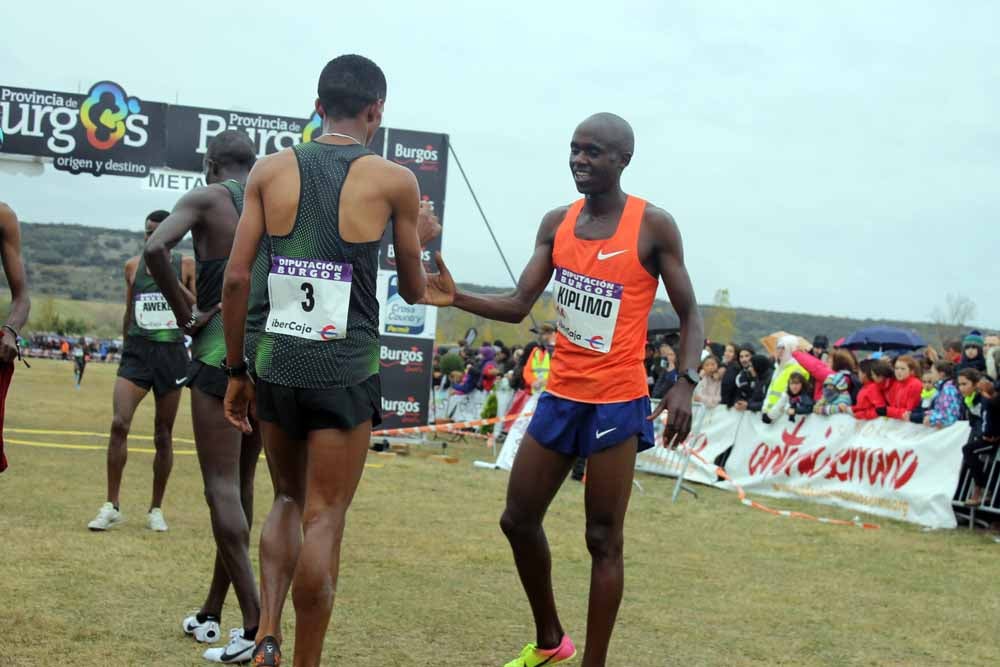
(427, 578)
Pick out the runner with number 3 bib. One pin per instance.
(607, 251)
(321, 208)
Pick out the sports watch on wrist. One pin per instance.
(236, 371)
(692, 376)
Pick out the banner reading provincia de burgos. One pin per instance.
(109, 132)
(104, 132)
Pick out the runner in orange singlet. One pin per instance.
(608, 251)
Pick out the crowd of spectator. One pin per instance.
(58, 346)
(794, 379)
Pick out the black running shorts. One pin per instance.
(162, 367)
(209, 379)
(299, 411)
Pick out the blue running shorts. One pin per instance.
(581, 429)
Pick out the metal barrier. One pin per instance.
(989, 511)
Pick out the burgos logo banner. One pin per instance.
(106, 131)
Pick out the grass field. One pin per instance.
(427, 576)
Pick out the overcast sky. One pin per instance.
(832, 158)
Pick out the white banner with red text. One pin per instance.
(715, 434)
(885, 467)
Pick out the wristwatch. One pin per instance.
(235, 371)
(692, 376)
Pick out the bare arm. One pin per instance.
(513, 306)
(236, 285)
(405, 202)
(239, 399)
(130, 268)
(669, 255)
(13, 268)
(186, 214)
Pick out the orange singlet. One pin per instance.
(603, 296)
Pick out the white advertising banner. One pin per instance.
(884, 467)
(505, 460)
(716, 434)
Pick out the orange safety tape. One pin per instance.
(742, 495)
(431, 428)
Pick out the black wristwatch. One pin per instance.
(692, 376)
(235, 371)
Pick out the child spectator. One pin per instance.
(903, 395)
(987, 443)
(871, 403)
(796, 401)
(972, 404)
(836, 396)
(947, 406)
(709, 390)
(762, 371)
(842, 361)
(927, 395)
(972, 352)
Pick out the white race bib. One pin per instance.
(588, 309)
(153, 313)
(309, 298)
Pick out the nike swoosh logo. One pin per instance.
(601, 434)
(602, 256)
(178, 382)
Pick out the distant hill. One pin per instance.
(86, 264)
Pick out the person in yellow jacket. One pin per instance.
(536, 368)
(786, 367)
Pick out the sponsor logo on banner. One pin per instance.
(885, 467)
(408, 410)
(103, 132)
(411, 359)
(420, 158)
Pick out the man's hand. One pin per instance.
(200, 319)
(8, 347)
(440, 286)
(677, 403)
(907, 415)
(428, 227)
(238, 403)
(740, 406)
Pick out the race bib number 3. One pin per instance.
(588, 309)
(153, 313)
(309, 298)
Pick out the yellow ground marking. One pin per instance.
(60, 445)
(38, 431)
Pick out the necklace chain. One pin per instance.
(342, 136)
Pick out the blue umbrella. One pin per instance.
(884, 338)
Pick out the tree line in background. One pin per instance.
(86, 265)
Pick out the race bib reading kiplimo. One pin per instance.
(309, 298)
(153, 313)
(588, 309)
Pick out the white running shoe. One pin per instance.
(237, 650)
(106, 518)
(207, 632)
(155, 521)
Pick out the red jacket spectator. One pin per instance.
(870, 399)
(818, 371)
(903, 397)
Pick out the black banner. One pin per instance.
(426, 154)
(405, 369)
(189, 130)
(105, 132)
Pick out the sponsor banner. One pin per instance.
(405, 370)
(716, 434)
(884, 467)
(189, 130)
(103, 132)
(426, 155)
(398, 318)
(505, 459)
